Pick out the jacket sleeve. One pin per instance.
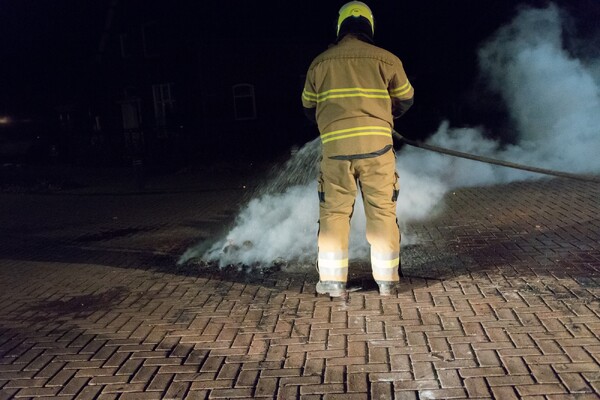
(401, 91)
(309, 98)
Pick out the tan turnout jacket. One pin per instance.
(357, 89)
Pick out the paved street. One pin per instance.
(501, 299)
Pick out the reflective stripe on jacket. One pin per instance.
(355, 88)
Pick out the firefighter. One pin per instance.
(353, 91)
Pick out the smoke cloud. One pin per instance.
(553, 100)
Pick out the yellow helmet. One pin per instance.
(355, 9)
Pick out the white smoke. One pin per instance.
(553, 100)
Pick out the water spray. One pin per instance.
(294, 179)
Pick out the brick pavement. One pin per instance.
(501, 300)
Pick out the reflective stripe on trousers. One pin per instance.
(333, 266)
(385, 266)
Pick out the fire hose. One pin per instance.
(586, 178)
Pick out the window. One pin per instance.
(164, 104)
(244, 103)
(132, 115)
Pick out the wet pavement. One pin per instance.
(501, 299)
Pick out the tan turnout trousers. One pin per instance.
(378, 182)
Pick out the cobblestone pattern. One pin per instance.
(501, 300)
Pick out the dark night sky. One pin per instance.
(45, 43)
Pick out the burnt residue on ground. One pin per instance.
(80, 306)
